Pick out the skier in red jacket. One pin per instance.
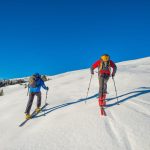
(104, 66)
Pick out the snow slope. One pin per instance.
(70, 124)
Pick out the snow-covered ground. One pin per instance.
(70, 124)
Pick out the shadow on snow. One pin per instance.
(135, 94)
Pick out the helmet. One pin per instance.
(105, 57)
(37, 75)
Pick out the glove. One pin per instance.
(92, 71)
(47, 88)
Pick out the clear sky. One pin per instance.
(55, 36)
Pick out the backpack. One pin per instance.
(102, 66)
(32, 82)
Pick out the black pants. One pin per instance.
(30, 101)
(103, 79)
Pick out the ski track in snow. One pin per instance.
(139, 109)
(70, 124)
(119, 133)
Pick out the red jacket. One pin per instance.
(112, 65)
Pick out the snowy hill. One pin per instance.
(70, 124)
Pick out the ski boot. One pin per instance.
(37, 110)
(102, 101)
(28, 116)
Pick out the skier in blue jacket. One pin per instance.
(35, 84)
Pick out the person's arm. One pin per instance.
(95, 65)
(43, 85)
(113, 65)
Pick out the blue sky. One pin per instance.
(52, 37)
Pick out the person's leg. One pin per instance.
(101, 90)
(106, 78)
(38, 109)
(38, 99)
(101, 85)
(29, 105)
(103, 79)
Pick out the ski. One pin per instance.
(102, 111)
(34, 113)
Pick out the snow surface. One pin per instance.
(70, 124)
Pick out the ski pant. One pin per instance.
(30, 101)
(103, 79)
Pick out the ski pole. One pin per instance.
(46, 97)
(45, 101)
(115, 90)
(88, 88)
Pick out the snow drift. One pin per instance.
(70, 124)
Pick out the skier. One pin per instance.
(35, 84)
(104, 66)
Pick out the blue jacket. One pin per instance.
(40, 83)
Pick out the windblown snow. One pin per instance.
(72, 124)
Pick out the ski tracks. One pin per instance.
(140, 107)
(130, 132)
(117, 131)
